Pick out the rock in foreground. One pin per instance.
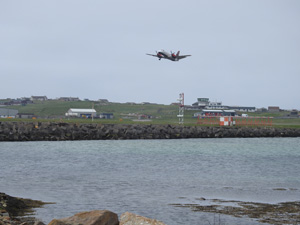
(96, 217)
(13, 209)
(132, 219)
(105, 217)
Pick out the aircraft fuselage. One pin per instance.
(166, 55)
(162, 54)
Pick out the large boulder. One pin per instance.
(96, 217)
(128, 218)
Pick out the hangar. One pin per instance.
(85, 113)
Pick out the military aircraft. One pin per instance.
(162, 54)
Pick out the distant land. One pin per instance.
(40, 107)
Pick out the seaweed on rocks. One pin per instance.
(281, 213)
(18, 206)
(15, 211)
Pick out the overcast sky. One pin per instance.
(244, 53)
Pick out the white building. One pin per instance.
(85, 113)
(215, 105)
(204, 103)
(39, 98)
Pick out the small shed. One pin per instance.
(106, 115)
(84, 113)
(25, 115)
(273, 109)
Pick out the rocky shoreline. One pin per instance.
(13, 210)
(53, 131)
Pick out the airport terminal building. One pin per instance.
(205, 104)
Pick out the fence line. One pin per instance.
(209, 120)
(239, 121)
(253, 121)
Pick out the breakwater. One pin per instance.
(60, 131)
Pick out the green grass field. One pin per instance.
(58, 108)
(161, 114)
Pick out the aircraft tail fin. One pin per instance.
(177, 54)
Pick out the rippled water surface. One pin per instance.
(146, 176)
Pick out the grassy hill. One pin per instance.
(162, 114)
(57, 109)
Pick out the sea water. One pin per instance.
(146, 177)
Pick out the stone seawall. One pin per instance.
(52, 131)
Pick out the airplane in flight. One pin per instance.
(162, 54)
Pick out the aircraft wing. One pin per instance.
(183, 56)
(152, 55)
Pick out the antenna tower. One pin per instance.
(181, 108)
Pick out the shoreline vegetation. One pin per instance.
(15, 211)
(62, 131)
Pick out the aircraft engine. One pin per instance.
(173, 55)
